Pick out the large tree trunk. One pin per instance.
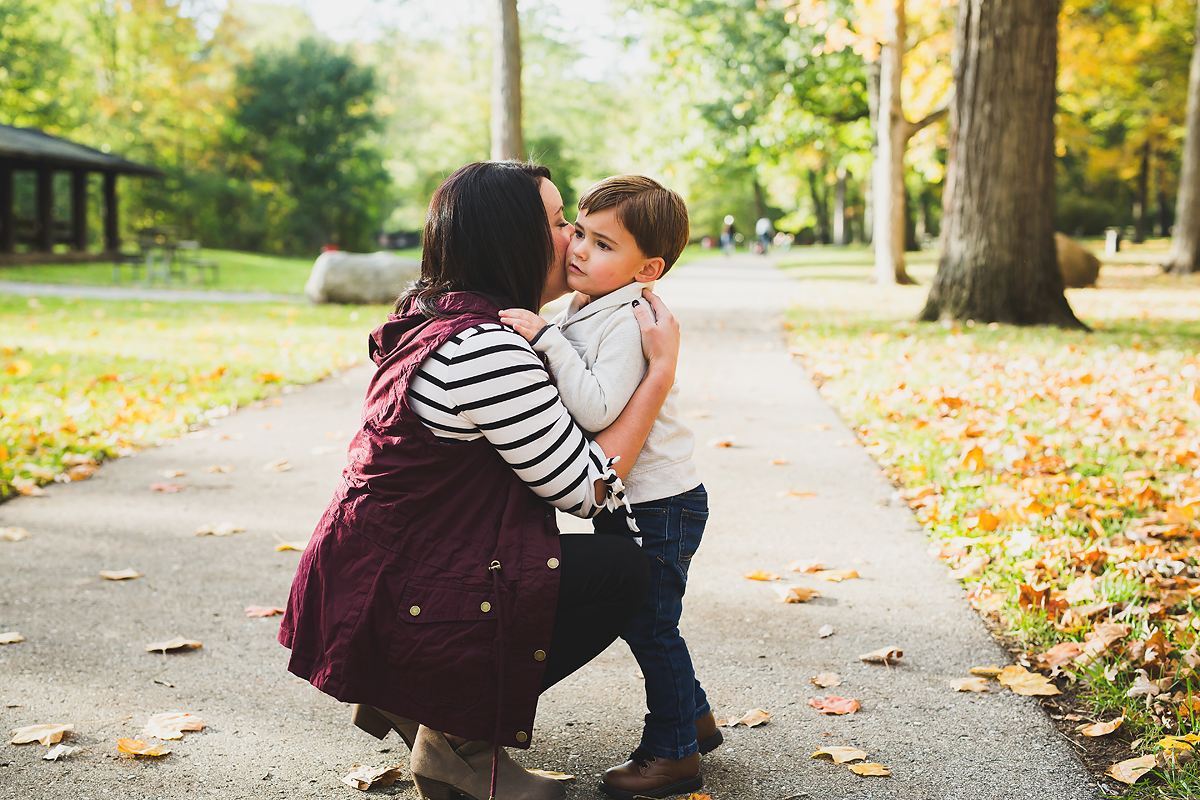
(817, 189)
(892, 136)
(869, 183)
(998, 259)
(507, 141)
(1185, 240)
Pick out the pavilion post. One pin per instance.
(8, 233)
(79, 198)
(45, 209)
(112, 237)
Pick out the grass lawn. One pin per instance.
(1058, 472)
(85, 380)
(239, 272)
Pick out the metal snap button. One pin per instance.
(485, 606)
(552, 563)
(522, 736)
(539, 655)
(415, 610)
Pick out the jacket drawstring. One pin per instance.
(494, 568)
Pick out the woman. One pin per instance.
(436, 588)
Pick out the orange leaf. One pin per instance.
(1101, 728)
(796, 594)
(836, 575)
(136, 747)
(870, 769)
(760, 575)
(833, 704)
(166, 488)
(1132, 769)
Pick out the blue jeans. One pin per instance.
(671, 530)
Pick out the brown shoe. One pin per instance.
(708, 735)
(645, 775)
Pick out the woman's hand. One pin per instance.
(526, 323)
(660, 331)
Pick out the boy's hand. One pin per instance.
(526, 323)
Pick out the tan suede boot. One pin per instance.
(380, 723)
(443, 773)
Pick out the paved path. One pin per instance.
(270, 735)
(145, 293)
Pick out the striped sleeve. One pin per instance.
(487, 381)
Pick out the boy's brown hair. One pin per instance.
(656, 216)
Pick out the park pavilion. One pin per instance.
(30, 150)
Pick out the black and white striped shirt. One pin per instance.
(487, 381)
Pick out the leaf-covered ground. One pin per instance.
(85, 380)
(1058, 475)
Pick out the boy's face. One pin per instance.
(562, 232)
(604, 256)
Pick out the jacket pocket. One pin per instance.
(446, 640)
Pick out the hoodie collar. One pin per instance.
(577, 311)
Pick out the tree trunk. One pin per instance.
(1185, 239)
(911, 245)
(1163, 227)
(507, 141)
(760, 201)
(816, 188)
(868, 232)
(888, 169)
(840, 231)
(1142, 204)
(998, 259)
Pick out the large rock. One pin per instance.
(360, 278)
(1079, 267)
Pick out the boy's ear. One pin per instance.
(651, 270)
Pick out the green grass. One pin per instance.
(239, 272)
(98, 379)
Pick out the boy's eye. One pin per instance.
(578, 233)
(603, 246)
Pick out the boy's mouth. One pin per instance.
(574, 269)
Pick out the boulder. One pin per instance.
(360, 278)
(1079, 267)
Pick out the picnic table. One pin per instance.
(162, 256)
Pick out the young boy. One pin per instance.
(629, 232)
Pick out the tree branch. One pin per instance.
(935, 114)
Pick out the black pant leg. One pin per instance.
(603, 581)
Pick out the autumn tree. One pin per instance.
(1185, 243)
(507, 140)
(998, 260)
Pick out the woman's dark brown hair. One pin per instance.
(486, 232)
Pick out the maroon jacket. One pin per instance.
(395, 603)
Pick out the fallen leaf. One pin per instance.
(218, 468)
(970, 568)
(807, 565)
(277, 466)
(120, 575)
(42, 734)
(299, 546)
(11, 637)
(1143, 686)
(166, 488)
(171, 725)
(841, 755)
(793, 493)
(760, 575)
(174, 473)
(1188, 742)
(721, 441)
(136, 747)
(859, 561)
(825, 632)
(178, 643)
(60, 751)
(1060, 655)
(870, 769)
(778, 462)
(752, 718)
(884, 655)
(795, 594)
(364, 778)
(826, 680)
(552, 775)
(1130, 770)
(836, 575)
(224, 529)
(832, 704)
(986, 672)
(969, 684)
(13, 534)
(263, 611)
(81, 472)
(1101, 728)
(1024, 682)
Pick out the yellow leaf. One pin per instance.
(1024, 682)
(1101, 728)
(136, 747)
(364, 778)
(19, 368)
(969, 684)
(778, 462)
(552, 775)
(224, 529)
(172, 724)
(174, 473)
(973, 459)
(178, 643)
(884, 655)
(120, 575)
(752, 718)
(268, 377)
(841, 755)
(1132, 769)
(836, 575)
(1179, 742)
(760, 575)
(805, 566)
(795, 594)
(299, 546)
(986, 672)
(42, 734)
(11, 637)
(11, 534)
(218, 468)
(870, 769)
(791, 493)
(826, 680)
(277, 466)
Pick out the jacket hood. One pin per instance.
(391, 335)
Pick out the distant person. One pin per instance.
(763, 231)
(783, 240)
(630, 231)
(728, 236)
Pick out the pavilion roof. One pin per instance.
(31, 145)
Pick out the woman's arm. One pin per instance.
(660, 342)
